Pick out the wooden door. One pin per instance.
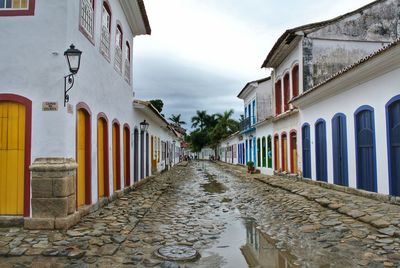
(293, 152)
(339, 149)
(306, 146)
(284, 153)
(276, 152)
(365, 144)
(320, 151)
(101, 157)
(82, 156)
(116, 157)
(12, 158)
(394, 147)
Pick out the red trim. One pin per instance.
(295, 81)
(106, 156)
(107, 5)
(88, 151)
(127, 155)
(27, 12)
(286, 92)
(119, 25)
(293, 135)
(116, 123)
(28, 143)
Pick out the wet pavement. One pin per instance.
(214, 214)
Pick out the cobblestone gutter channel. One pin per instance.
(230, 219)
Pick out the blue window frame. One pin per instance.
(320, 150)
(254, 111)
(306, 148)
(247, 152)
(393, 143)
(365, 148)
(339, 150)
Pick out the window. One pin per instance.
(127, 72)
(118, 49)
(105, 31)
(17, 7)
(278, 97)
(286, 91)
(295, 81)
(254, 112)
(86, 21)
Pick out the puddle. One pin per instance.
(243, 245)
(213, 187)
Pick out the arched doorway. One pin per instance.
(320, 150)
(393, 134)
(306, 146)
(365, 148)
(276, 152)
(83, 155)
(15, 154)
(293, 152)
(127, 155)
(339, 144)
(116, 149)
(142, 154)
(136, 155)
(284, 152)
(102, 157)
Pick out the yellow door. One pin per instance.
(284, 153)
(12, 158)
(100, 155)
(81, 157)
(114, 148)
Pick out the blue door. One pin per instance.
(250, 150)
(305, 133)
(393, 131)
(339, 149)
(255, 152)
(320, 150)
(246, 149)
(365, 148)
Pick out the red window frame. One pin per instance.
(278, 97)
(107, 7)
(119, 27)
(23, 12)
(286, 92)
(295, 81)
(81, 28)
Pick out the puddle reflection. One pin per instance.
(259, 250)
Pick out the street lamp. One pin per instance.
(144, 126)
(73, 57)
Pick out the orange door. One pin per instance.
(116, 157)
(276, 152)
(81, 157)
(12, 158)
(293, 149)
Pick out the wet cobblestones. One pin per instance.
(176, 208)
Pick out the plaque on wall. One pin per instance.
(49, 106)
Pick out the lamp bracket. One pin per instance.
(68, 81)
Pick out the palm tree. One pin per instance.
(200, 119)
(176, 119)
(226, 125)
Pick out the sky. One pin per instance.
(201, 53)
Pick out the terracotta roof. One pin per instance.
(144, 16)
(290, 34)
(255, 81)
(350, 67)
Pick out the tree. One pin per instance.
(158, 104)
(225, 126)
(176, 119)
(199, 119)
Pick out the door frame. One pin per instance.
(321, 161)
(293, 162)
(127, 154)
(343, 150)
(88, 153)
(115, 122)
(102, 116)
(28, 143)
(388, 141)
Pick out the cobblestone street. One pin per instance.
(216, 209)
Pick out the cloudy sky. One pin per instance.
(201, 53)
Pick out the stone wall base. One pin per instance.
(11, 221)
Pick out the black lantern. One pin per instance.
(73, 57)
(144, 126)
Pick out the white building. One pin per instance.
(43, 142)
(228, 149)
(355, 117)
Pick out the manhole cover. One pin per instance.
(177, 253)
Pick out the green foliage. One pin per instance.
(158, 104)
(176, 119)
(250, 164)
(211, 129)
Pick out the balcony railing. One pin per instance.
(247, 123)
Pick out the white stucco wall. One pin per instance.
(376, 93)
(265, 130)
